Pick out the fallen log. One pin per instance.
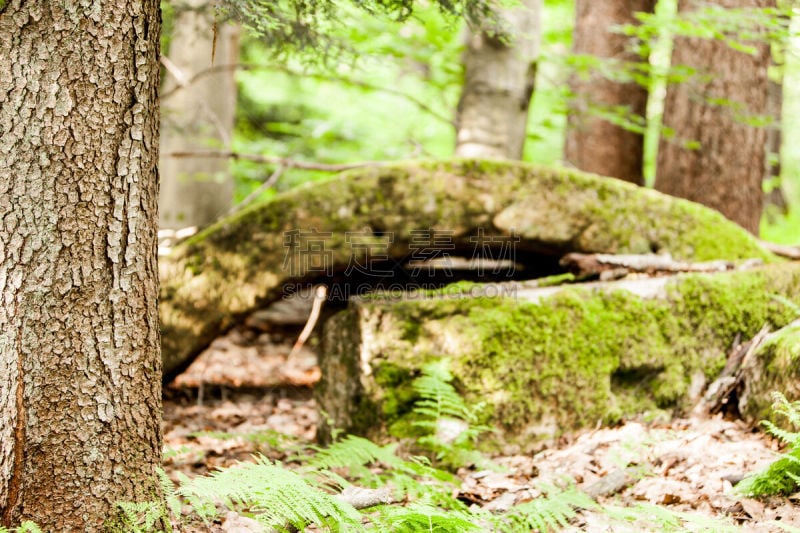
(217, 277)
(545, 360)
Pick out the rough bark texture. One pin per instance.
(240, 263)
(80, 361)
(593, 144)
(545, 360)
(197, 117)
(726, 171)
(499, 75)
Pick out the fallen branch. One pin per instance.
(186, 81)
(271, 181)
(320, 293)
(609, 266)
(281, 161)
(790, 252)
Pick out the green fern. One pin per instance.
(649, 517)
(783, 475)
(169, 493)
(438, 398)
(276, 497)
(423, 516)
(451, 426)
(550, 512)
(25, 527)
(141, 517)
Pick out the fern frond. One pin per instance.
(168, 490)
(652, 517)
(423, 516)
(352, 452)
(25, 527)
(783, 475)
(140, 517)
(546, 513)
(438, 397)
(275, 495)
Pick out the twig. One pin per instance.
(271, 181)
(320, 294)
(790, 252)
(181, 81)
(282, 161)
(322, 77)
(584, 265)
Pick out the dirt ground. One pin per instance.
(246, 395)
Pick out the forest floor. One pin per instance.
(245, 396)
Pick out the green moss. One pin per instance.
(583, 356)
(778, 360)
(228, 269)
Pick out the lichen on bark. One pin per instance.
(80, 395)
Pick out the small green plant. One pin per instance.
(149, 516)
(650, 517)
(25, 527)
(783, 475)
(450, 426)
(425, 497)
(275, 496)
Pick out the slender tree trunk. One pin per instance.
(593, 144)
(774, 200)
(80, 396)
(726, 169)
(195, 117)
(499, 75)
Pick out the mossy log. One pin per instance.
(239, 264)
(551, 359)
(774, 367)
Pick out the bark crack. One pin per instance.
(15, 484)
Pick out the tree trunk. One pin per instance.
(593, 144)
(499, 74)
(197, 116)
(725, 170)
(774, 200)
(80, 388)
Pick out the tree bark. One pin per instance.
(593, 144)
(725, 172)
(196, 115)
(499, 75)
(80, 388)
(774, 200)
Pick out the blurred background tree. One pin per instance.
(381, 89)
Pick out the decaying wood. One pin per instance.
(609, 266)
(242, 263)
(720, 393)
(790, 252)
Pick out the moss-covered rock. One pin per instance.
(774, 367)
(549, 359)
(240, 263)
